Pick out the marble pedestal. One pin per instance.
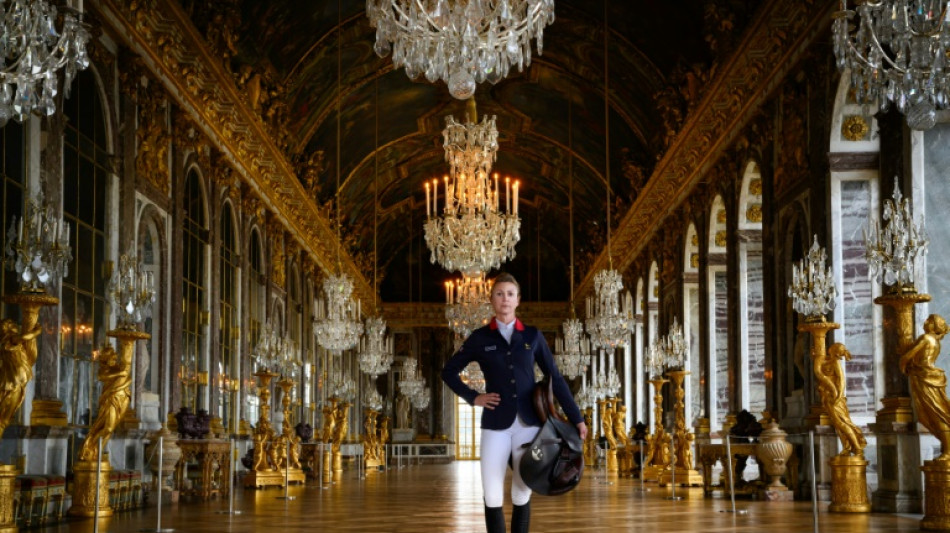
(127, 449)
(794, 410)
(898, 452)
(402, 435)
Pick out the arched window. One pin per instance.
(85, 180)
(718, 335)
(194, 248)
(653, 318)
(227, 340)
(694, 384)
(255, 317)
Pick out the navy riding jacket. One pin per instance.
(509, 372)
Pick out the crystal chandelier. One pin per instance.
(33, 50)
(467, 304)
(676, 347)
(473, 376)
(584, 399)
(376, 348)
(472, 235)
(895, 253)
(608, 315)
(268, 354)
(413, 385)
(38, 246)
(656, 358)
(342, 387)
(338, 326)
(572, 352)
(896, 51)
(461, 43)
(131, 292)
(813, 289)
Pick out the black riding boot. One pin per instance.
(521, 518)
(495, 519)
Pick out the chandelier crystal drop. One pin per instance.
(38, 246)
(813, 288)
(460, 42)
(896, 51)
(656, 358)
(609, 314)
(472, 235)
(376, 348)
(572, 352)
(131, 291)
(338, 325)
(895, 253)
(467, 304)
(32, 51)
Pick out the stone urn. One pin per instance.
(772, 451)
(304, 431)
(171, 454)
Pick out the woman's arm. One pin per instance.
(454, 366)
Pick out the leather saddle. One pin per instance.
(554, 460)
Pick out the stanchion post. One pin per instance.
(814, 484)
(641, 489)
(673, 496)
(231, 473)
(159, 483)
(287, 497)
(732, 484)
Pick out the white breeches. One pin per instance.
(497, 446)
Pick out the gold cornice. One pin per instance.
(546, 316)
(778, 37)
(162, 34)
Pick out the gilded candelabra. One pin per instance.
(131, 292)
(340, 429)
(288, 441)
(657, 454)
(683, 459)
(607, 430)
(267, 453)
(329, 427)
(813, 293)
(371, 441)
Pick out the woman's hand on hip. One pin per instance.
(488, 400)
(582, 430)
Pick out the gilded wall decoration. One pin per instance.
(754, 213)
(278, 259)
(721, 238)
(721, 216)
(695, 240)
(694, 260)
(310, 170)
(855, 128)
(755, 187)
(152, 138)
(792, 165)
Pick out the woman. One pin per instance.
(507, 350)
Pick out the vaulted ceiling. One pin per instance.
(550, 118)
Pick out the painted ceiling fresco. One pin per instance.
(390, 126)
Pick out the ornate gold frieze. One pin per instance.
(775, 41)
(721, 216)
(755, 187)
(175, 52)
(546, 316)
(855, 128)
(694, 260)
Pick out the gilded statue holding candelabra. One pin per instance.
(340, 429)
(384, 427)
(929, 387)
(268, 454)
(371, 442)
(288, 444)
(115, 375)
(607, 428)
(624, 455)
(657, 451)
(16, 367)
(681, 439)
(329, 427)
(813, 294)
(590, 445)
(831, 390)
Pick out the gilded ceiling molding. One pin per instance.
(774, 43)
(173, 50)
(546, 316)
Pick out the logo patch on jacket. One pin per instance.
(527, 346)
(490, 348)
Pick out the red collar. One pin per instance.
(494, 324)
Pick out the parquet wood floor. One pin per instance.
(446, 498)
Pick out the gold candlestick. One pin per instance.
(266, 461)
(657, 452)
(683, 463)
(115, 373)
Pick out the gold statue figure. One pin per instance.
(341, 426)
(329, 420)
(606, 424)
(929, 383)
(383, 438)
(16, 367)
(115, 375)
(369, 437)
(831, 390)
